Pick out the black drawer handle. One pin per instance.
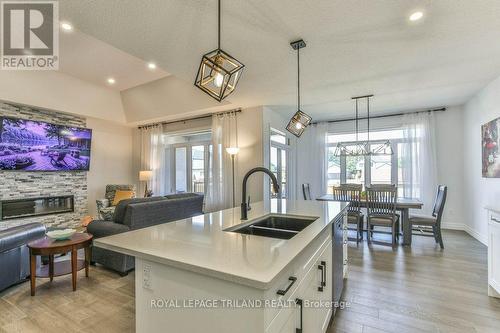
(292, 280)
(322, 268)
(298, 301)
(324, 265)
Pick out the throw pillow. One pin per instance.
(86, 221)
(122, 195)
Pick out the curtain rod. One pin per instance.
(382, 116)
(208, 115)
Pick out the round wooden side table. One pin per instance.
(49, 247)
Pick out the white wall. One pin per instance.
(479, 191)
(57, 91)
(165, 99)
(450, 154)
(111, 158)
(250, 154)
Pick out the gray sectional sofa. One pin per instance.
(14, 252)
(132, 214)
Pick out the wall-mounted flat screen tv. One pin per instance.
(27, 145)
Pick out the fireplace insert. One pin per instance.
(28, 207)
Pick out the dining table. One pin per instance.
(403, 205)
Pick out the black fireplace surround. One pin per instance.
(29, 207)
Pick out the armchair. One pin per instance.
(105, 207)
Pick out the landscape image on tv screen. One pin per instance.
(27, 145)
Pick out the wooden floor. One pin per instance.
(104, 302)
(422, 289)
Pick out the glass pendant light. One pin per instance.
(219, 72)
(363, 148)
(300, 119)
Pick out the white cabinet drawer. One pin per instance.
(315, 315)
(298, 270)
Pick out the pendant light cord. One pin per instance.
(357, 117)
(298, 79)
(218, 27)
(368, 111)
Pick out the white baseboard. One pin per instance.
(461, 226)
(482, 238)
(452, 226)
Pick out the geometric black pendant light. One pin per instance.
(300, 119)
(219, 72)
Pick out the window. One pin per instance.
(279, 161)
(198, 169)
(190, 162)
(181, 169)
(382, 169)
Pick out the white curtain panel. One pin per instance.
(219, 194)
(153, 158)
(418, 158)
(312, 161)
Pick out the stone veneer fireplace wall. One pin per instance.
(24, 184)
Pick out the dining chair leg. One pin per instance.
(357, 234)
(440, 237)
(394, 235)
(435, 233)
(361, 228)
(368, 230)
(398, 229)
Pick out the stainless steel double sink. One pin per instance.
(280, 226)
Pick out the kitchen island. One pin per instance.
(193, 275)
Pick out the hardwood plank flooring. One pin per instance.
(103, 302)
(417, 289)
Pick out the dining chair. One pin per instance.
(430, 226)
(351, 193)
(306, 191)
(381, 209)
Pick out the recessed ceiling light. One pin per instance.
(151, 65)
(66, 26)
(416, 16)
(111, 80)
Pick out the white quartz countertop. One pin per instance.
(201, 245)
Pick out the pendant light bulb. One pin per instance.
(218, 80)
(298, 126)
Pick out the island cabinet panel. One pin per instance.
(297, 270)
(165, 296)
(312, 309)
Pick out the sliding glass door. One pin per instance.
(190, 167)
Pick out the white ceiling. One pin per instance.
(354, 47)
(92, 60)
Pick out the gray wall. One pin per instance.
(15, 185)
